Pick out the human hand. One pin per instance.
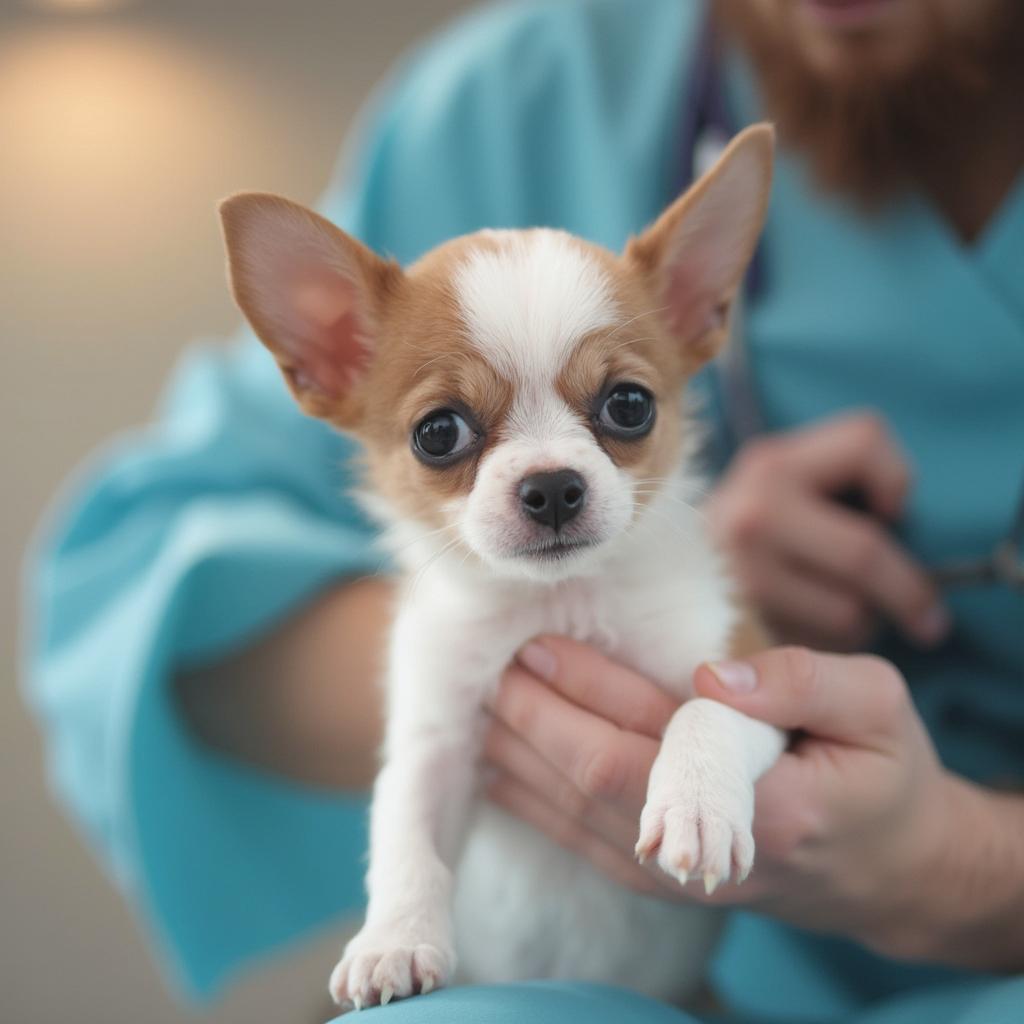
(573, 739)
(858, 811)
(859, 830)
(820, 572)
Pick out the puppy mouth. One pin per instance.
(554, 550)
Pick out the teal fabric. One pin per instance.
(538, 1002)
(187, 539)
(548, 1002)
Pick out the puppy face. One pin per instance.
(517, 393)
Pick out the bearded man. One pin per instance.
(869, 437)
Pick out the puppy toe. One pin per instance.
(680, 852)
(716, 837)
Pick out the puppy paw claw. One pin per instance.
(381, 965)
(696, 838)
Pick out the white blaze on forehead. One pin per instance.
(528, 302)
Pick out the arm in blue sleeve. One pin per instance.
(184, 542)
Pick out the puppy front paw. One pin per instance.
(390, 962)
(698, 834)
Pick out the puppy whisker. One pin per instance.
(420, 538)
(430, 362)
(670, 497)
(429, 564)
(626, 323)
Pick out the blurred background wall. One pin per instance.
(121, 124)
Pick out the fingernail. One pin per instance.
(934, 625)
(539, 660)
(737, 676)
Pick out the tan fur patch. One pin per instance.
(423, 364)
(750, 635)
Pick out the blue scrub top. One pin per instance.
(189, 538)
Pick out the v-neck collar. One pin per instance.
(996, 255)
(995, 258)
(1000, 250)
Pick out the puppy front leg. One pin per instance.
(420, 801)
(700, 795)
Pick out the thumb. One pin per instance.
(852, 698)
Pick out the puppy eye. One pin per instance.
(442, 435)
(627, 411)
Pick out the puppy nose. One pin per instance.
(553, 498)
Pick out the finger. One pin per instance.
(857, 699)
(855, 550)
(522, 802)
(518, 760)
(807, 605)
(788, 802)
(587, 749)
(854, 450)
(598, 684)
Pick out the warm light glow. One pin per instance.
(82, 6)
(116, 141)
(103, 125)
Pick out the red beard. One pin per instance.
(871, 132)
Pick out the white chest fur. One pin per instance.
(523, 906)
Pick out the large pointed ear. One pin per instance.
(312, 294)
(694, 256)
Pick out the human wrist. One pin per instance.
(966, 906)
(302, 699)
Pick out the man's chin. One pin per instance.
(862, 105)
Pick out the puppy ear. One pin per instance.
(694, 256)
(312, 294)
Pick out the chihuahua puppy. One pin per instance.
(518, 395)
